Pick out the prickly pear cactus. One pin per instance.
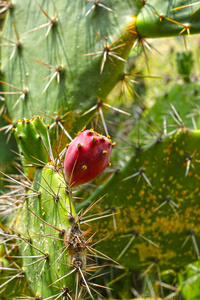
(51, 231)
(189, 281)
(152, 221)
(60, 61)
(32, 139)
(53, 248)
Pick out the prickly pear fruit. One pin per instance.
(87, 156)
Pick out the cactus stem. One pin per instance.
(96, 3)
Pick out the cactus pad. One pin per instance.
(155, 197)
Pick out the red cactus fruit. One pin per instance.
(87, 156)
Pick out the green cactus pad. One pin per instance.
(189, 281)
(43, 243)
(178, 107)
(31, 136)
(185, 65)
(155, 197)
(160, 19)
(57, 72)
(7, 272)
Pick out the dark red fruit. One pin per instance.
(87, 156)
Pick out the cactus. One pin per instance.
(55, 80)
(36, 133)
(37, 252)
(164, 195)
(189, 280)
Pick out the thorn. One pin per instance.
(191, 234)
(96, 3)
(107, 51)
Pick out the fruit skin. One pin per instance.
(87, 156)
